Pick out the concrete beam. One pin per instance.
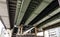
(4, 13)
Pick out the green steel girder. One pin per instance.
(38, 10)
(20, 11)
(55, 17)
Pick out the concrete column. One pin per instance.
(35, 31)
(21, 29)
(43, 33)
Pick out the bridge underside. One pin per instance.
(30, 15)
